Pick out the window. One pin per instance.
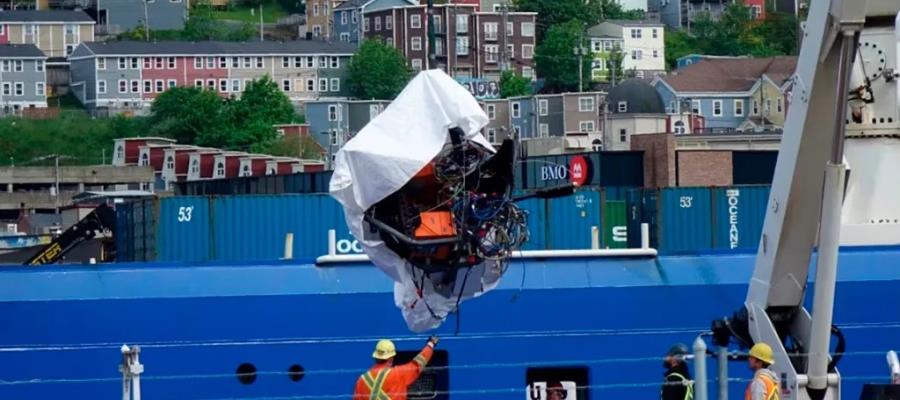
(755, 12)
(20, 88)
(607, 45)
(101, 87)
(148, 86)
(768, 107)
(298, 62)
(779, 104)
(333, 113)
(101, 63)
(491, 111)
(311, 85)
(695, 107)
(416, 43)
(543, 107)
(343, 18)
(510, 28)
(754, 107)
(597, 145)
(220, 169)
(490, 53)
(462, 23)
(527, 29)
(335, 62)
(39, 88)
(510, 52)
(527, 51)
(623, 135)
(374, 110)
(30, 34)
(134, 63)
(259, 62)
(679, 128)
(19, 65)
(389, 41)
(586, 104)
(636, 33)
(285, 62)
(170, 162)
(637, 54)
(171, 62)
(7, 88)
(316, 9)
(160, 86)
(377, 23)
(198, 63)
(439, 47)
(198, 83)
(235, 85)
(415, 21)
(586, 126)
(248, 62)
(235, 62)
(527, 72)
(388, 22)
(655, 33)
(544, 130)
(335, 138)
(622, 106)
(717, 108)
(655, 53)
(323, 84)
(310, 62)
(437, 24)
(172, 83)
(323, 62)
(354, 17)
(123, 86)
(39, 65)
(490, 31)
(223, 85)
(596, 46)
(5, 65)
(335, 85)
(462, 45)
(492, 135)
(739, 108)
(417, 64)
(135, 86)
(516, 109)
(195, 166)
(286, 85)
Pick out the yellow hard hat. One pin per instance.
(762, 352)
(385, 350)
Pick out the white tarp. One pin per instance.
(383, 157)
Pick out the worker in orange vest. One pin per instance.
(765, 383)
(384, 381)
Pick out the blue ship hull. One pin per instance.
(62, 327)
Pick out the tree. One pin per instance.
(679, 43)
(556, 61)
(188, 113)
(299, 147)
(377, 71)
(512, 85)
(251, 118)
(614, 64)
(589, 12)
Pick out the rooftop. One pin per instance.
(219, 48)
(44, 16)
(20, 51)
(730, 74)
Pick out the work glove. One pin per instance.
(433, 340)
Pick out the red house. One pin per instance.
(126, 151)
(201, 163)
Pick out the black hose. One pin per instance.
(839, 349)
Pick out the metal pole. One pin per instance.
(504, 63)
(645, 235)
(146, 22)
(56, 160)
(700, 382)
(595, 238)
(829, 236)
(723, 373)
(261, 29)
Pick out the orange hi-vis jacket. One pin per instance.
(391, 383)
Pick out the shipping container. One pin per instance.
(124, 232)
(615, 225)
(143, 234)
(738, 216)
(570, 220)
(306, 182)
(537, 223)
(685, 220)
(255, 227)
(184, 229)
(623, 169)
(641, 208)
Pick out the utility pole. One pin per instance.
(261, 29)
(430, 16)
(504, 12)
(146, 22)
(581, 51)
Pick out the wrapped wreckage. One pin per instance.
(430, 199)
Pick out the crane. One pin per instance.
(844, 106)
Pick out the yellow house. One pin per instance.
(55, 32)
(768, 103)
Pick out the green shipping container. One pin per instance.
(615, 225)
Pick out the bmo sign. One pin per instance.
(577, 171)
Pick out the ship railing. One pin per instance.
(594, 252)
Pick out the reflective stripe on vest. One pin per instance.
(771, 389)
(376, 383)
(689, 392)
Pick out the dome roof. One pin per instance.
(639, 96)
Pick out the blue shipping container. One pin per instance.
(571, 218)
(685, 220)
(254, 227)
(537, 223)
(184, 229)
(739, 215)
(124, 232)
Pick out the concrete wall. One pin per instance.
(98, 174)
(704, 168)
